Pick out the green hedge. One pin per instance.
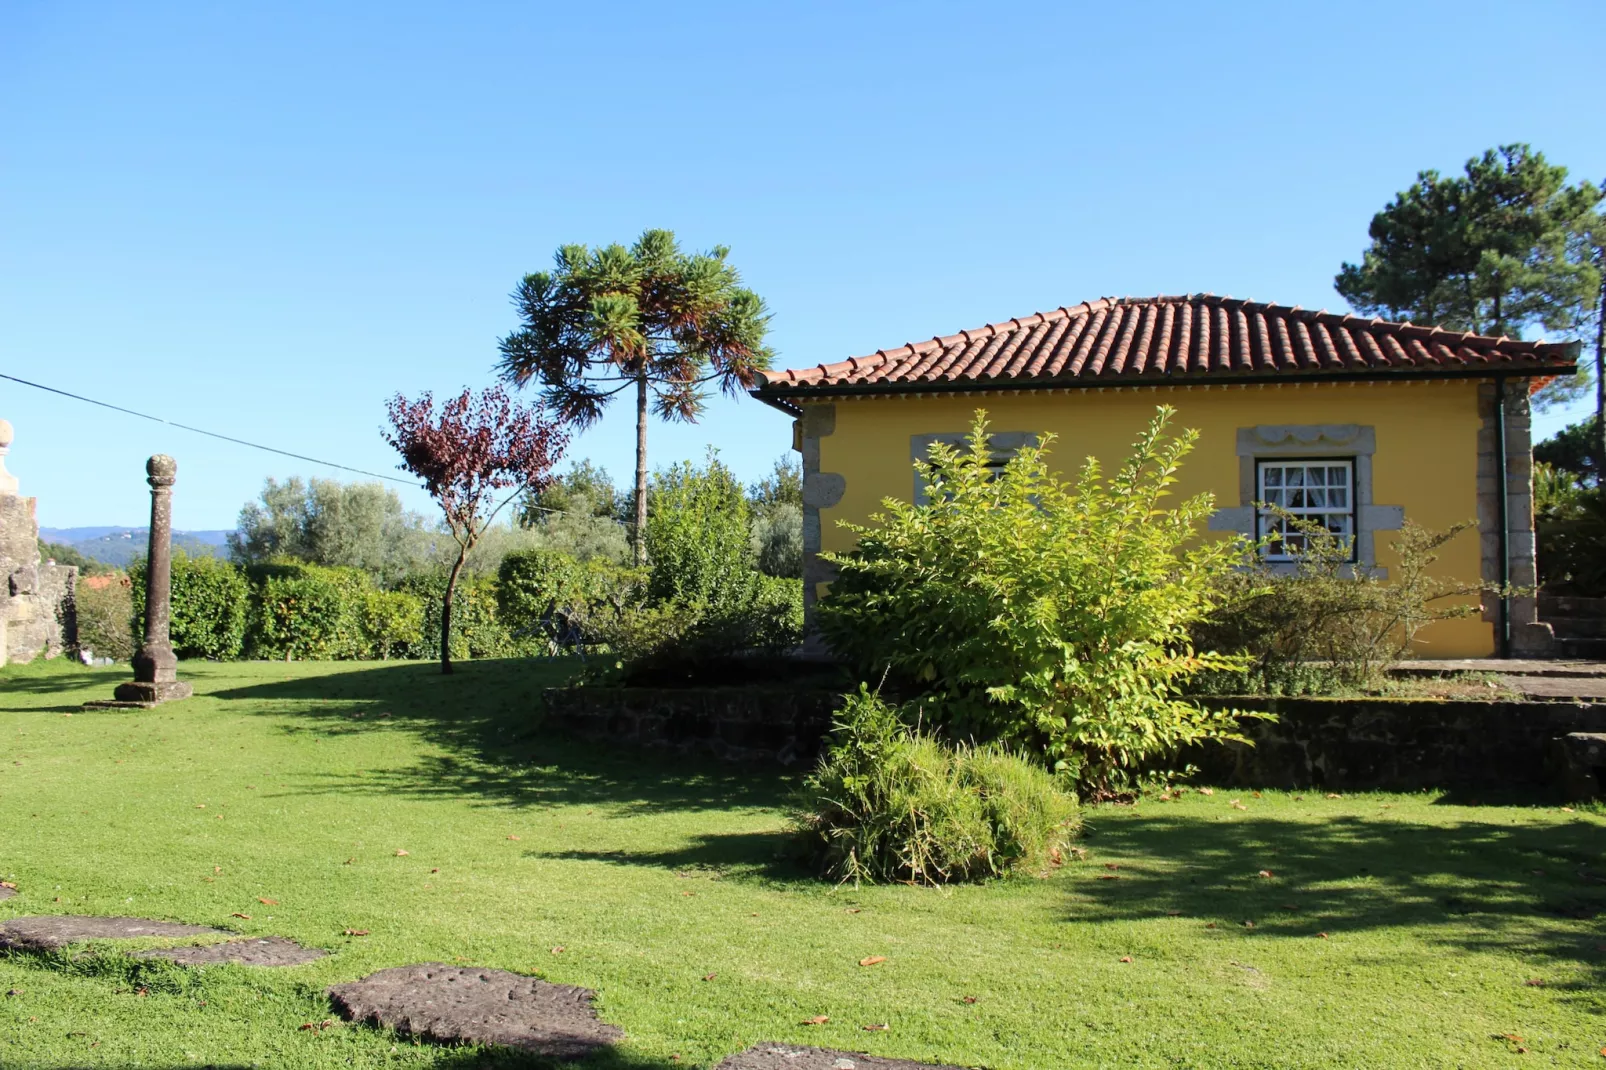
(210, 606)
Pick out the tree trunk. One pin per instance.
(641, 471)
(1600, 387)
(446, 611)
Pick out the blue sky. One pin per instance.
(266, 219)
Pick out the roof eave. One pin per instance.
(776, 394)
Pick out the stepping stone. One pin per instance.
(49, 932)
(256, 951)
(798, 1057)
(7, 889)
(459, 1004)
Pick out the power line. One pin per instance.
(209, 434)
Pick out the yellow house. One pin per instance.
(1355, 423)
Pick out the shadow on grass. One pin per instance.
(488, 716)
(769, 855)
(59, 681)
(1537, 890)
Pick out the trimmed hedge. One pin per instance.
(209, 610)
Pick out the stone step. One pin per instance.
(1581, 649)
(1578, 627)
(1567, 605)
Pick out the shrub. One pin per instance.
(477, 630)
(392, 621)
(554, 602)
(309, 613)
(697, 538)
(1039, 612)
(1570, 526)
(105, 606)
(889, 804)
(1323, 626)
(210, 606)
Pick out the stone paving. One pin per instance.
(462, 1004)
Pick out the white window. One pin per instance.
(1315, 491)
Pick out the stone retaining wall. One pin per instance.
(1398, 744)
(739, 724)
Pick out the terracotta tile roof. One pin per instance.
(1194, 336)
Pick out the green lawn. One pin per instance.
(285, 782)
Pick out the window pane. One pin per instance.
(1296, 477)
(1318, 477)
(1274, 476)
(1296, 499)
(1316, 498)
(1274, 497)
(1338, 477)
(1338, 497)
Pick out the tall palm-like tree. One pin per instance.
(668, 324)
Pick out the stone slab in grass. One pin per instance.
(7, 889)
(460, 1004)
(255, 951)
(798, 1057)
(49, 932)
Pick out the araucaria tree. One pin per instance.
(652, 319)
(476, 447)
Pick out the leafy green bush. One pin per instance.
(477, 630)
(1046, 614)
(105, 606)
(210, 606)
(698, 548)
(309, 613)
(1570, 528)
(1325, 627)
(889, 804)
(555, 602)
(392, 621)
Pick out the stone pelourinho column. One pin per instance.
(155, 666)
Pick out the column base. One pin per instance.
(138, 695)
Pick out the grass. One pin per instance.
(285, 782)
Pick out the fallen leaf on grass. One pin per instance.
(1568, 810)
(1109, 876)
(1535, 982)
(818, 1019)
(436, 870)
(402, 853)
(879, 1028)
(1334, 795)
(1321, 936)
(355, 932)
(513, 837)
(200, 806)
(709, 976)
(267, 902)
(969, 999)
(1207, 791)
(14, 992)
(1112, 865)
(1126, 958)
(849, 910)
(1249, 925)
(348, 861)
(1236, 805)
(237, 914)
(1257, 794)
(1210, 925)
(688, 893)
(560, 949)
(319, 1026)
(873, 960)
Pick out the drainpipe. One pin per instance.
(1504, 515)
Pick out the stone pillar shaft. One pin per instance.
(156, 666)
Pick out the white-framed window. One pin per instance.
(1316, 490)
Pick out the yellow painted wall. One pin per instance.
(1426, 457)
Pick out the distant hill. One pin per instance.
(119, 546)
